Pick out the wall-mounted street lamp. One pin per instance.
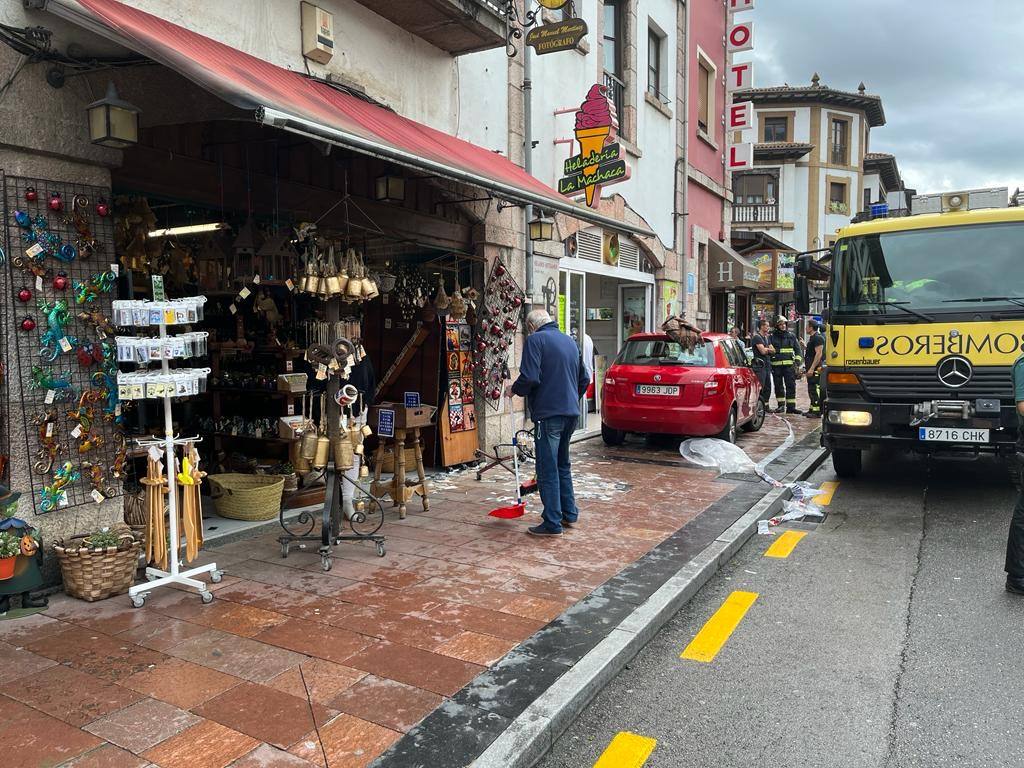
(113, 122)
(389, 188)
(542, 228)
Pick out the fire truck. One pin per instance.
(924, 319)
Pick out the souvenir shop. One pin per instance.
(282, 298)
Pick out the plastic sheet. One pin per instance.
(795, 510)
(719, 454)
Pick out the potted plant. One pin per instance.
(291, 479)
(99, 564)
(835, 206)
(10, 548)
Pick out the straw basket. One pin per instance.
(247, 497)
(95, 574)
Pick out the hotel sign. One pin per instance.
(739, 115)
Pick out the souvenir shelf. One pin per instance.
(165, 384)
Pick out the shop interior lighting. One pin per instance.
(542, 228)
(390, 189)
(190, 229)
(113, 122)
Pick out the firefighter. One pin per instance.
(814, 358)
(784, 364)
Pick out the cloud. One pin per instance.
(949, 73)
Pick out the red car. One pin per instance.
(657, 386)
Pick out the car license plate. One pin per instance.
(657, 389)
(953, 435)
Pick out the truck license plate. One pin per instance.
(953, 435)
(657, 389)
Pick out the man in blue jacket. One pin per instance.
(552, 378)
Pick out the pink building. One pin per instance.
(706, 188)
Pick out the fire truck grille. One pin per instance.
(921, 384)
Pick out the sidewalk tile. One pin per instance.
(206, 745)
(476, 648)
(535, 607)
(107, 756)
(107, 616)
(313, 639)
(143, 725)
(180, 683)
(484, 621)
(389, 625)
(266, 756)
(163, 634)
(422, 669)
(30, 738)
(349, 742)
(244, 620)
(324, 680)
(108, 658)
(70, 695)
(21, 631)
(402, 601)
(387, 702)
(238, 656)
(264, 713)
(17, 662)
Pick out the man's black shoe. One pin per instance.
(793, 412)
(540, 530)
(1015, 586)
(567, 523)
(812, 414)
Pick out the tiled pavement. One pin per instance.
(291, 665)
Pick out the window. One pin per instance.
(776, 129)
(754, 189)
(837, 192)
(840, 142)
(703, 97)
(867, 199)
(703, 294)
(612, 37)
(655, 45)
(665, 352)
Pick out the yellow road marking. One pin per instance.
(626, 750)
(828, 489)
(785, 544)
(712, 636)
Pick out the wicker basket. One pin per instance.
(247, 497)
(95, 574)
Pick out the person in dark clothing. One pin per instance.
(814, 358)
(1015, 540)
(763, 351)
(552, 378)
(784, 361)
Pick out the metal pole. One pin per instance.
(528, 161)
(172, 500)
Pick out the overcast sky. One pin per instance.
(950, 74)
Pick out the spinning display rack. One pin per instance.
(166, 384)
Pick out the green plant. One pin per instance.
(835, 206)
(103, 539)
(10, 545)
(287, 468)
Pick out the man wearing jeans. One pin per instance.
(552, 378)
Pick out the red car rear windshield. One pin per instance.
(665, 352)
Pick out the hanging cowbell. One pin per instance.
(457, 304)
(441, 301)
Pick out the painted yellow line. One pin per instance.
(712, 636)
(627, 750)
(828, 489)
(785, 544)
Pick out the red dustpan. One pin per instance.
(519, 508)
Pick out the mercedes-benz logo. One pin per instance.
(954, 372)
(657, 377)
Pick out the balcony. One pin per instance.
(455, 26)
(617, 93)
(757, 213)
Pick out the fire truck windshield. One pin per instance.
(941, 270)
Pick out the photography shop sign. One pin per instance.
(599, 161)
(563, 35)
(558, 36)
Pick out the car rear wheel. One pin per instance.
(757, 420)
(611, 436)
(728, 432)
(846, 461)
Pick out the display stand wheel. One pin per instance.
(138, 602)
(216, 576)
(151, 577)
(380, 549)
(284, 549)
(207, 597)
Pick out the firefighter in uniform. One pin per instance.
(1015, 541)
(784, 363)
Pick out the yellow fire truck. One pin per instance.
(925, 318)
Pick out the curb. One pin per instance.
(531, 735)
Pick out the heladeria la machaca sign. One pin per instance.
(599, 161)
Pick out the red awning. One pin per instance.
(289, 100)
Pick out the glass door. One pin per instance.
(634, 310)
(572, 318)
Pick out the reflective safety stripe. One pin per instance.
(791, 400)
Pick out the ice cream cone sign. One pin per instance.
(599, 161)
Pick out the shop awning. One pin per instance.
(291, 101)
(728, 270)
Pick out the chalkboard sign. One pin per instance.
(386, 423)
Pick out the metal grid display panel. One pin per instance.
(26, 345)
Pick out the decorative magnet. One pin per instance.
(31, 195)
(28, 324)
(22, 219)
(67, 252)
(56, 204)
(102, 208)
(24, 295)
(499, 270)
(60, 282)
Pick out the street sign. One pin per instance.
(557, 36)
(385, 423)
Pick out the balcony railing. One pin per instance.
(755, 213)
(617, 93)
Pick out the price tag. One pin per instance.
(244, 293)
(159, 294)
(412, 399)
(289, 284)
(50, 396)
(116, 269)
(97, 496)
(233, 309)
(291, 409)
(77, 431)
(49, 429)
(65, 344)
(34, 250)
(259, 432)
(63, 500)
(321, 372)
(289, 366)
(155, 453)
(386, 423)
(256, 279)
(39, 282)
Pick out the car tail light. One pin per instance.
(712, 387)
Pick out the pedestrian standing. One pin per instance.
(763, 351)
(737, 334)
(784, 362)
(552, 378)
(814, 355)
(1015, 541)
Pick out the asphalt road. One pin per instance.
(884, 639)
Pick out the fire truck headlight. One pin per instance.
(850, 418)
